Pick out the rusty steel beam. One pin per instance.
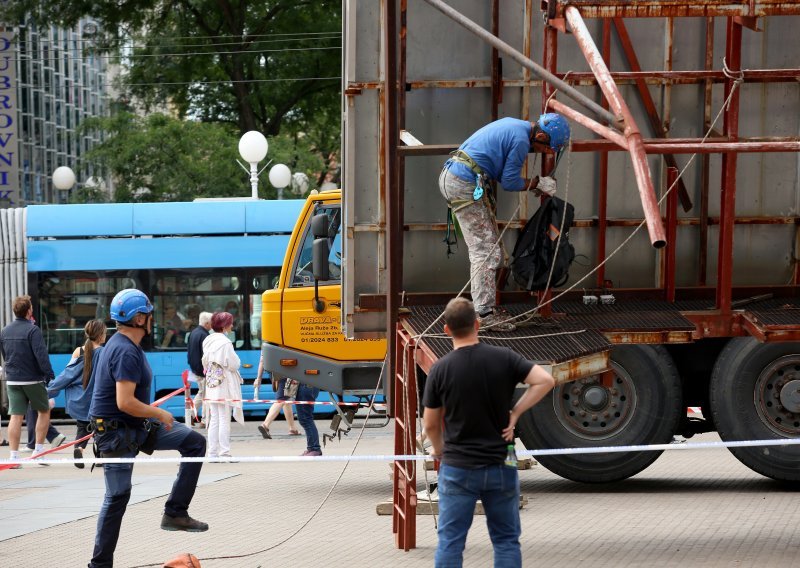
(715, 145)
(393, 203)
(668, 270)
(632, 134)
(621, 337)
(675, 8)
(537, 69)
(587, 79)
(705, 180)
(497, 71)
(649, 105)
(579, 368)
(591, 223)
(733, 49)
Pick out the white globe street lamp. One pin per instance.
(280, 176)
(63, 178)
(300, 183)
(253, 148)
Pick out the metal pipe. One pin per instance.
(611, 135)
(649, 104)
(641, 168)
(537, 69)
(602, 193)
(690, 146)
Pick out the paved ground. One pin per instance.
(697, 508)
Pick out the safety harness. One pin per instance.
(484, 190)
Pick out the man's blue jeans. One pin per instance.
(305, 415)
(118, 485)
(497, 486)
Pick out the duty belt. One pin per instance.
(100, 425)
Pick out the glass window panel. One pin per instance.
(67, 301)
(259, 283)
(303, 275)
(180, 295)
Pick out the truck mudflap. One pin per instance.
(356, 378)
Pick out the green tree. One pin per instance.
(162, 158)
(267, 65)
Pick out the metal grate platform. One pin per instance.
(576, 330)
(775, 312)
(627, 315)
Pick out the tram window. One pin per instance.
(180, 295)
(66, 301)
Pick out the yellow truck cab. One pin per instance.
(301, 317)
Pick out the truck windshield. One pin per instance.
(302, 271)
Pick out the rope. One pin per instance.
(299, 458)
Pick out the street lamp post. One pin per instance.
(253, 148)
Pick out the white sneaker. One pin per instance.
(58, 440)
(36, 457)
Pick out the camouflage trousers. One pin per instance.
(480, 234)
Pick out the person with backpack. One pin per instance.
(495, 153)
(77, 382)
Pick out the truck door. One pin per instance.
(304, 328)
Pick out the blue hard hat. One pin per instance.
(129, 302)
(556, 127)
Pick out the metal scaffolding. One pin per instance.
(617, 131)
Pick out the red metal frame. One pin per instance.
(723, 320)
(404, 473)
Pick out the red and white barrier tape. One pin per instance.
(7, 464)
(419, 457)
(273, 401)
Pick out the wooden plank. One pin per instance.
(425, 507)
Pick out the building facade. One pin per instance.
(51, 80)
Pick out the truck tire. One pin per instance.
(641, 406)
(755, 395)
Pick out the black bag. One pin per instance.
(536, 245)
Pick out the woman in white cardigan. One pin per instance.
(223, 385)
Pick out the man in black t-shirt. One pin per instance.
(471, 390)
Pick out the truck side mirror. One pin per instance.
(321, 226)
(321, 251)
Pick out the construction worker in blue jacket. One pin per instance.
(497, 152)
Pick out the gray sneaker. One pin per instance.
(58, 440)
(186, 523)
(497, 320)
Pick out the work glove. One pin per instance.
(547, 186)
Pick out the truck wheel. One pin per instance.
(755, 395)
(641, 404)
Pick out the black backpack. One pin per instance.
(535, 250)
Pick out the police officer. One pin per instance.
(124, 423)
